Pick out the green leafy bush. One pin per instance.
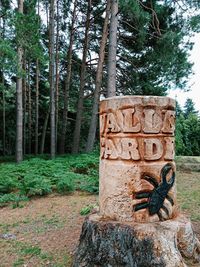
(32, 185)
(8, 179)
(6, 185)
(39, 176)
(85, 210)
(89, 167)
(14, 198)
(65, 185)
(91, 185)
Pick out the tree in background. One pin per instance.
(189, 108)
(151, 56)
(19, 96)
(98, 82)
(67, 81)
(6, 54)
(79, 111)
(187, 129)
(112, 51)
(151, 48)
(52, 77)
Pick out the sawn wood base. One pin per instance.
(160, 244)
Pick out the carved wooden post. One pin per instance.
(137, 159)
(138, 223)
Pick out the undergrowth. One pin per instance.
(41, 176)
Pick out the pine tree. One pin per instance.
(98, 82)
(77, 130)
(112, 52)
(189, 108)
(19, 121)
(67, 81)
(52, 77)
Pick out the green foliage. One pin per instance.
(187, 130)
(8, 57)
(8, 179)
(12, 198)
(89, 167)
(25, 24)
(86, 210)
(154, 48)
(32, 250)
(32, 185)
(195, 23)
(189, 108)
(65, 184)
(39, 176)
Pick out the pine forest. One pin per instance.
(58, 58)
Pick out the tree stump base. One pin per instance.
(159, 244)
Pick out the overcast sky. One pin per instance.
(194, 94)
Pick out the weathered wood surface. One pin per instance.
(137, 144)
(160, 244)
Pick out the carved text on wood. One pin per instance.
(118, 128)
(137, 170)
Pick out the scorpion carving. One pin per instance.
(157, 196)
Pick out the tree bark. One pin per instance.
(29, 111)
(37, 94)
(19, 107)
(36, 107)
(112, 53)
(3, 97)
(47, 12)
(67, 83)
(4, 115)
(44, 130)
(57, 71)
(52, 79)
(24, 88)
(76, 138)
(110, 243)
(99, 74)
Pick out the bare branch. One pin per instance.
(131, 26)
(155, 20)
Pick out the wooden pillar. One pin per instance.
(138, 224)
(137, 169)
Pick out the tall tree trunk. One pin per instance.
(99, 74)
(67, 83)
(4, 115)
(36, 107)
(76, 138)
(19, 107)
(52, 79)
(44, 130)
(29, 111)
(3, 96)
(24, 89)
(111, 87)
(57, 70)
(47, 12)
(37, 93)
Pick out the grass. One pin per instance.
(82, 172)
(41, 176)
(44, 231)
(188, 195)
(26, 252)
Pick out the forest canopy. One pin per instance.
(54, 68)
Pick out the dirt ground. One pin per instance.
(45, 231)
